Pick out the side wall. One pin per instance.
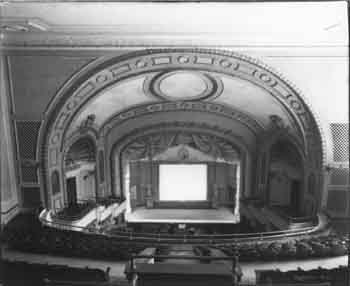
(9, 186)
(36, 79)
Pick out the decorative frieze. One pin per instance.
(155, 143)
(207, 107)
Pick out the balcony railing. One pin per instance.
(208, 239)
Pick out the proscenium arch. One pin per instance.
(246, 153)
(199, 125)
(108, 71)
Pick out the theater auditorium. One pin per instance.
(163, 143)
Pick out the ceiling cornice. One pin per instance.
(164, 25)
(257, 51)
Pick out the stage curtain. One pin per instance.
(224, 177)
(144, 178)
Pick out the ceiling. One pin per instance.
(307, 41)
(195, 85)
(219, 24)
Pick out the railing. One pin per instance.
(209, 239)
(216, 236)
(301, 219)
(86, 206)
(180, 257)
(61, 224)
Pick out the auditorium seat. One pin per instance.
(49, 240)
(16, 272)
(333, 277)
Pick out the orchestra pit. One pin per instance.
(174, 144)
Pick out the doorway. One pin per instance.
(72, 191)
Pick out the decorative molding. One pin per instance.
(183, 154)
(207, 107)
(89, 153)
(158, 142)
(87, 124)
(175, 90)
(277, 123)
(112, 70)
(178, 127)
(88, 132)
(233, 66)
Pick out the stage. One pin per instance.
(157, 215)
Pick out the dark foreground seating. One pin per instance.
(326, 246)
(33, 237)
(23, 273)
(165, 274)
(320, 276)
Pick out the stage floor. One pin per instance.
(144, 215)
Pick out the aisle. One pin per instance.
(181, 250)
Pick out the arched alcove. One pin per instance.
(285, 177)
(80, 172)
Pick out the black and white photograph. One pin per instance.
(174, 143)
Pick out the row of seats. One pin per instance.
(89, 245)
(37, 238)
(14, 272)
(71, 243)
(34, 237)
(334, 277)
(312, 247)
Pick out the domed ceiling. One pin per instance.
(183, 85)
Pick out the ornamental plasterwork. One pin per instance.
(154, 144)
(162, 134)
(183, 85)
(119, 68)
(207, 107)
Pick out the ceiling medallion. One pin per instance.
(183, 85)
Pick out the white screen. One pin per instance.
(182, 182)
